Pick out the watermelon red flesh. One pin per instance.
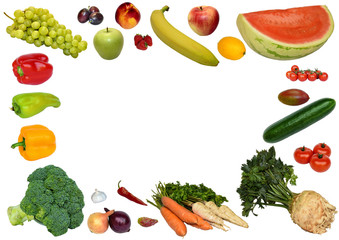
(292, 26)
(286, 34)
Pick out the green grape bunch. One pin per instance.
(38, 26)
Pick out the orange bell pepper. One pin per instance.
(35, 142)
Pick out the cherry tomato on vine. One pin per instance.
(322, 148)
(318, 72)
(288, 74)
(312, 76)
(323, 76)
(295, 68)
(303, 155)
(320, 162)
(302, 76)
(293, 76)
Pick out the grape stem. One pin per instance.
(8, 16)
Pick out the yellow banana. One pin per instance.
(179, 41)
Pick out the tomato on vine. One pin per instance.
(288, 74)
(302, 76)
(295, 68)
(312, 76)
(323, 76)
(293, 76)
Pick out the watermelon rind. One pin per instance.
(271, 48)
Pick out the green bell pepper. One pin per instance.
(26, 105)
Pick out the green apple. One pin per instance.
(108, 42)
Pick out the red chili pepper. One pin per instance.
(32, 69)
(125, 193)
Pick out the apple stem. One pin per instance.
(201, 8)
(107, 29)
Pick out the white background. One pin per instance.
(154, 115)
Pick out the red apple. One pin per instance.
(203, 20)
(127, 15)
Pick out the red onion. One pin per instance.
(119, 221)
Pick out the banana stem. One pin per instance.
(165, 8)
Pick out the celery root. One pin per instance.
(265, 182)
(312, 212)
(226, 213)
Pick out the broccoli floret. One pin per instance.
(55, 182)
(53, 199)
(76, 219)
(57, 221)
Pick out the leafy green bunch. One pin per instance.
(186, 194)
(264, 182)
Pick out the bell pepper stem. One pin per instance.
(18, 144)
(20, 72)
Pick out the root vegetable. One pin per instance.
(219, 226)
(264, 182)
(204, 212)
(226, 213)
(312, 212)
(173, 221)
(98, 222)
(202, 224)
(184, 214)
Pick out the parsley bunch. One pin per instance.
(264, 182)
(200, 192)
(187, 194)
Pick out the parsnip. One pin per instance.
(219, 226)
(204, 212)
(226, 213)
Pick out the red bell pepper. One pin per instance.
(32, 69)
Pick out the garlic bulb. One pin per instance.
(98, 196)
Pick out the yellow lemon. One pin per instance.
(231, 48)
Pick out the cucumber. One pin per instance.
(298, 120)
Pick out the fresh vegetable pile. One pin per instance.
(195, 205)
(52, 199)
(264, 182)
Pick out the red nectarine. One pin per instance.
(127, 15)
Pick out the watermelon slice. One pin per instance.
(286, 34)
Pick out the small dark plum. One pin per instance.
(96, 18)
(93, 9)
(83, 15)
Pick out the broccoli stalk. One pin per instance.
(17, 216)
(52, 199)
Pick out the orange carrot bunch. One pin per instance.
(178, 216)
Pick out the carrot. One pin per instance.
(202, 224)
(183, 213)
(173, 221)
